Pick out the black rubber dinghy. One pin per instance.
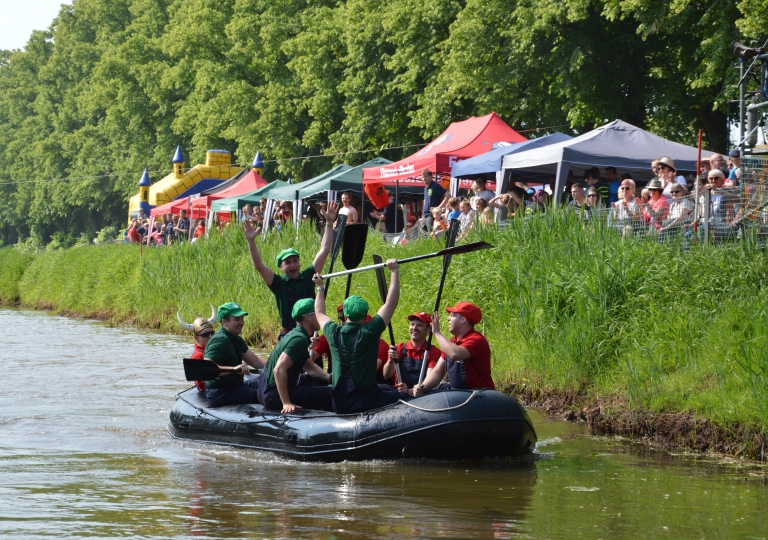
(458, 424)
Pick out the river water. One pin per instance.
(84, 452)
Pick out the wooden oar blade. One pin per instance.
(354, 245)
(200, 370)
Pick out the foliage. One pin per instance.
(13, 263)
(114, 85)
(665, 327)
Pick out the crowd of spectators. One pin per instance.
(664, 205)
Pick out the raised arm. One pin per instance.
(250, 236)
(325, 246)
(449, 348)
(320, 314)
(393, 296)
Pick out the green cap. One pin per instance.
(302, 307)
(290, 252)
(230, 308)
(355, 308)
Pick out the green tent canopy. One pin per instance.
(288, 191)
(233, 204)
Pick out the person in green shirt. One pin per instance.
(226, 348)
(294, 283)
(278, 383)
(354, 349)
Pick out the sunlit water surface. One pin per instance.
(84, 452)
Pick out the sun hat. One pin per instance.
(290, 252)
(469, 311)
(229, 309)
(422, 316)
(302, 307)
(654, 184)
(355, 308)
(668, 162)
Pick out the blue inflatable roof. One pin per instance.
(178, 157)
(258, 163)
(490, 162)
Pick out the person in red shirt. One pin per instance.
(133, 234)
(322, 349)
(467, 355)
(202, 329)
(410, 356)
(200, 229)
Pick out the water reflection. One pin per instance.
(84, 452)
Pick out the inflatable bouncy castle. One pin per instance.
(181, 184)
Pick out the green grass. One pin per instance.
(566, 307)
(13, 263)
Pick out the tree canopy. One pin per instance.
(114, 85)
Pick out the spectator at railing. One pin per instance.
(480, 205)
(668, 176)
(592, 179)
(486, 217)
(501, 203)
(181, 228)
(157, 233)
(580, 203)
(247, 213)
(453, 208)
(467, 217)
(480, 191)
(516, 200)
(613, 182)
(680, 211)
(200, 229)
(439, 224)
(594, 200)
(627, 210)
(734, 160)
(657, 209)
(132, 234)
(717, 161)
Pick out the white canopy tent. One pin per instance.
(616, 144)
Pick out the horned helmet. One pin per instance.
(200, 324)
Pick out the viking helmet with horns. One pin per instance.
(200, 323)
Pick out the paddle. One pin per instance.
(354, 249)
(338, 238)
(453, 231)
(382, 281)
(204, 370)
(466, 248)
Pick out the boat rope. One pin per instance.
(472, 396)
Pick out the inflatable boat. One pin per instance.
(458, 424)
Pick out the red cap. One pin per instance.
(340, 308)
(421, 316)
(469, 311)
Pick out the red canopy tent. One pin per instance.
(198, 207)
(461, 140)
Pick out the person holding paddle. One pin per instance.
(467, 355)
(227, 348)
(279, 382)
(410, 355)
(354, 349)
(294, 283)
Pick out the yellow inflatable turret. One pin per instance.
(180, 183)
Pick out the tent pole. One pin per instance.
(562, 175)
(397, 189)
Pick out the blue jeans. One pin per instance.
(306, 397)
(241, 391)
(347, 399)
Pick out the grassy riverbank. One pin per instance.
(579, 312)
